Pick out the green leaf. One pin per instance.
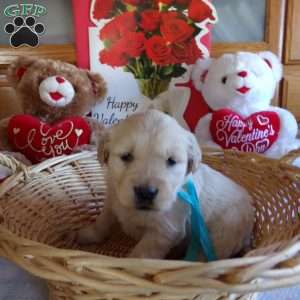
(107, 43)
(178, 71)
(163, 7)
(126, 69)
(166, 71)
(131, 8)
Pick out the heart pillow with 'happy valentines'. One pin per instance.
(255, 133)
(38, 140)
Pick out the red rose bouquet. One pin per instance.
(152, 39)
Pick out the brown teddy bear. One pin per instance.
(55, 96)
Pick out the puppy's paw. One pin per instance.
(144, 253)
(137, 254)
(89, 235)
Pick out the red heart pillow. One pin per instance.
(39, 141)
(256, 133)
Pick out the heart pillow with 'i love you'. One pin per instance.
(256, 133)
(39, 141)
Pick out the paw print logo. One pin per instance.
(24, 31)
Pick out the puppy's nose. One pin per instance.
(144, 196)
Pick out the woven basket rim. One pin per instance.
(247, 267)
(22, 172)
(174, 268)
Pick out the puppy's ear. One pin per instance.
(194, 153)
(17, 69)
(103, 146)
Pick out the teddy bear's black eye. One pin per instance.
(171, 162)
(126, 157)
(224, 80)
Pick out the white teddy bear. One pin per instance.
(239, 89)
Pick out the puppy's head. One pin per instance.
(149, 156)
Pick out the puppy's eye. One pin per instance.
(126, 157)
(171, 162)
(224, 80)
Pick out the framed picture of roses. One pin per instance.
(145, 50)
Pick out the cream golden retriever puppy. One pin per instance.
(149, 156)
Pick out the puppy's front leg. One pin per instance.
(98, 231)
(152, 245)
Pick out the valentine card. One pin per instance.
(145, 50)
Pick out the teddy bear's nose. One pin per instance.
(243, 74)
(60, 79)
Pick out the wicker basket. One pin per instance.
(41, 204)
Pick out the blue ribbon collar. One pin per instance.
(200, 235)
